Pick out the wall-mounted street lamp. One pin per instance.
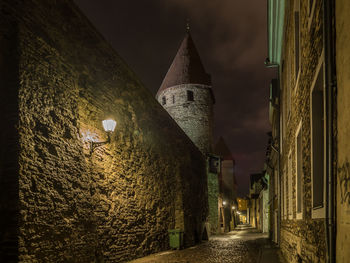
(108, 126)
(224, 203)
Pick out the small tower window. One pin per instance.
(190, 95)
(173, 99)
(163, 100)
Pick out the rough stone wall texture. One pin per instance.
(302, 238)
(343, 128)
(194, 117)
(227, 190)
(272, 205)
(265, 211)
(115, 205)
(213, 193)
(254, 212)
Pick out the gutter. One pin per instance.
(330, 90)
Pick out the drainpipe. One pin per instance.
(279, 136)
(277, 150)
(330, 89)
(279, 184)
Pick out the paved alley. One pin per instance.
(245, 245)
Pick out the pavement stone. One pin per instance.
(244, 244)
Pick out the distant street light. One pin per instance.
(224, 203)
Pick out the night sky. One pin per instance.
(231, 38)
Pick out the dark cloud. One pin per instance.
(231, 39)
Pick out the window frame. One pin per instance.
(297, 68)
(284, 194)
(318, 212)
(290, 185)
(299, 132)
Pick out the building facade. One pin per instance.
(227, 187)
(309, 109)
(254, 203)
(242, 210)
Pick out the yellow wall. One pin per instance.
(343, 126)
(242, 204)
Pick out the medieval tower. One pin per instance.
(186, 95)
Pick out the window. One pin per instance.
(299, 172)
(288, 86)
(163, 100)
(190, 95)
(284, 114)
(317, 143)
(290, 182)
(173, 99)
(214, 164)
(275, 178)
(289, 100)
(297, 40)
(284, 194)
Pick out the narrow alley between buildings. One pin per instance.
(244, 244)
(130, 134)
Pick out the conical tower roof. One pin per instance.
(187, 67)
(222, 150)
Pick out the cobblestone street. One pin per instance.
(245, 244)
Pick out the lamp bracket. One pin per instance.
(94, 145)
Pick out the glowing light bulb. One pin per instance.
(109, 125)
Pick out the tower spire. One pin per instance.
(186, 68)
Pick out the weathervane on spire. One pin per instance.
(188, 25)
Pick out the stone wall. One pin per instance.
(116, 204)
(9, 167)
(213, 193)
(194, 117)
(343, 128)
(227, 191)
(301, 239)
